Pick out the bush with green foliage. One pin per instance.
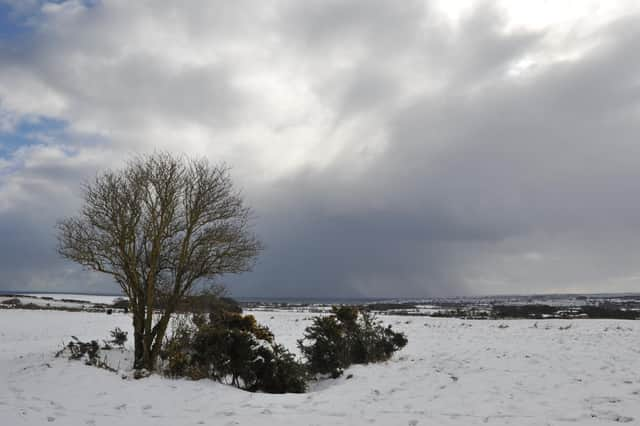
(278, 371)
(348, 336)
(233, 348)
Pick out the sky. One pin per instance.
(388, 148)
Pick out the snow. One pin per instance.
(60, 300)
(92, 298)
(452, 372)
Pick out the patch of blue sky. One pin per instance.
(17, 19)
(31, 132)
(12, 24)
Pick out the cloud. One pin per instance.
(388, 148)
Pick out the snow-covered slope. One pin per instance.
(453, 372)
(59, 300)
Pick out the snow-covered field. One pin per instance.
(453, 372)
(92, 298)
(60, 300)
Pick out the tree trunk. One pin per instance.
(138, 341)
(159, 337)
(147, 344)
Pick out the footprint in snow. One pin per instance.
(599, 400)
(56, 405)
(610, 415)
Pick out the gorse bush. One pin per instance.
(226, 346)
(278, 371)
(327, 353)
(232, 348)
(177, 350)
(348, 336)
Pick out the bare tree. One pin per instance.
(160, 226)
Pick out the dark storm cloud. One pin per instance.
(364, 243)
(467, 172)
(430, 163)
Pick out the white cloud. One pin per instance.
(362, 114)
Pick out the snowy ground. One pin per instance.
(453, 372)
(60, 300)
(92, 298)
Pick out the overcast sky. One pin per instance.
(388, 148)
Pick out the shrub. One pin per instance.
(278, 371)
(328, 352)
(224, 353)
(121, 303)
(13, 302)
(233, 348)
(207, 302)
(349, 336)
(118, 337)
(176, 350)
(89, 352)
(83, 350)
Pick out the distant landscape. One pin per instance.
(548, 306)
